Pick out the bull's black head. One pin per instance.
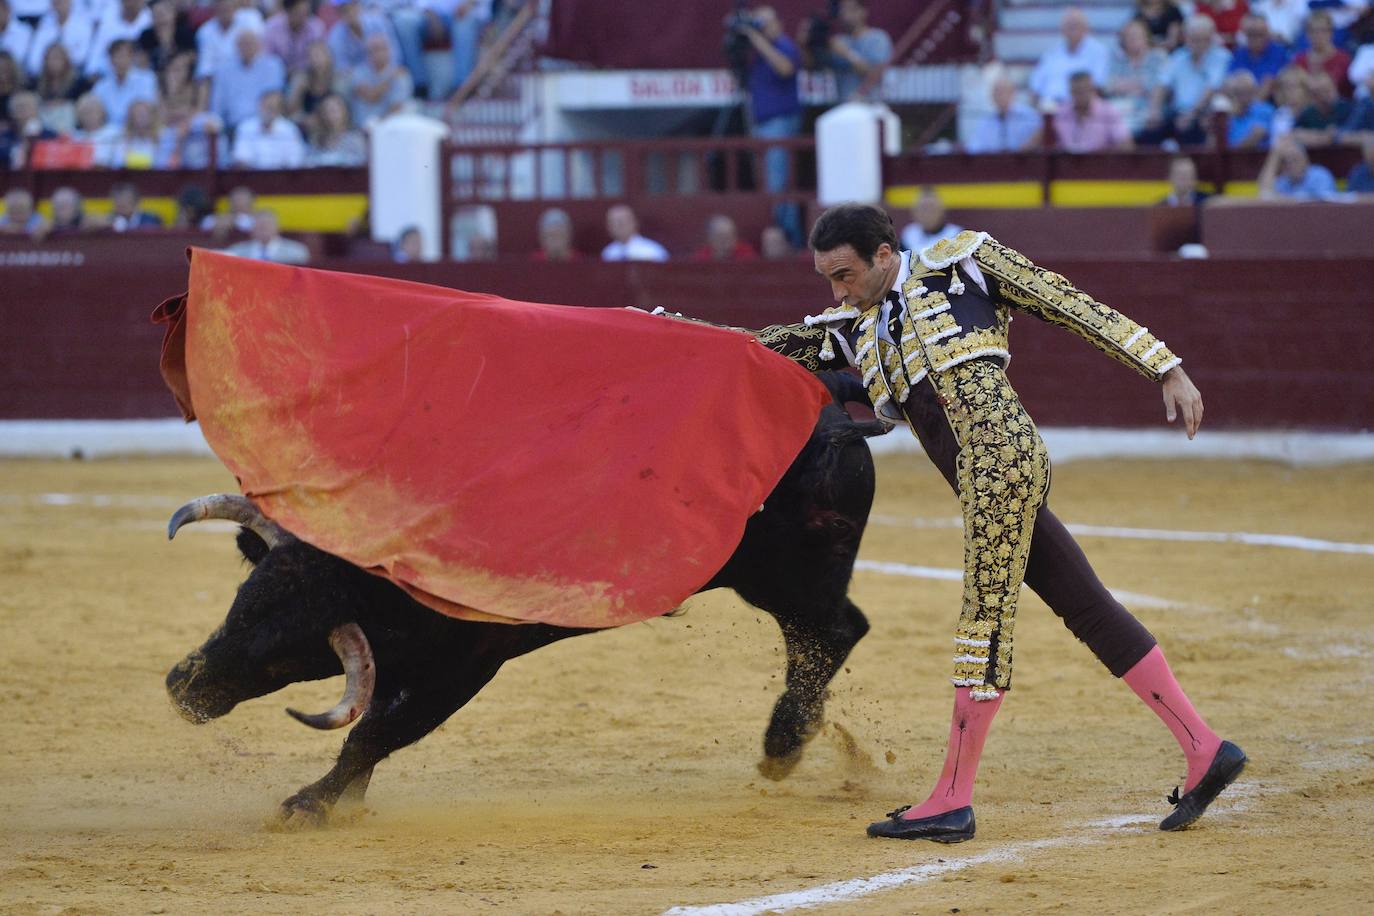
(293, 619)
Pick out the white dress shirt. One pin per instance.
(636, 248)
(277, 146)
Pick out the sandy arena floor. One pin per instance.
(615, 773)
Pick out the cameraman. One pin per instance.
(857, 50)
(774, 106)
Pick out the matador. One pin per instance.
(928, 332)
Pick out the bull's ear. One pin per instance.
(252, 546)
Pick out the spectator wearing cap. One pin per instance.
(267, 140)
(1361, 178)
(1133, 74)
(857, 49)
(1259, 54)
(555, 238)
(124, 84)
(1193, 74)
(1319, 122)
(125, 214)
(122, 20)
(242, 79)
(1088, 124)
(349, 35)
(193, 207)
(380, 86)
(723, 242)
(215, 39)
(169, 35)
(1010, 127)
(67, 24)
(1075, 52)
(929, 223)
(15, 34)
(289, 33)
(1289, 175)
(20, 217)
(267, 243)
(1252, 118)
(333, 139)
(626, 243)
(1322, 55)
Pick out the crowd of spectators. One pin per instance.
(260, 83)
(1241, 73)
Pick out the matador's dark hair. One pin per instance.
(859, 225)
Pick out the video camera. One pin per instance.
(736, 46)
(819, 28)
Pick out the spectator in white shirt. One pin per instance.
(66, 24)
(930, 225)
(1077, 52)
(15, 36)
(215, 39)
(124, 84)
(267, 243)
(267, 140)
(626, 242)
(379, 87)
(122, 19)
(1285, 17)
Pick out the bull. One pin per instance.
(303, 614)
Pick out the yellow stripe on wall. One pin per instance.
(296, 212)
(975, 195)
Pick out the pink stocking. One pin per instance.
(967, 732)
(1154, 683)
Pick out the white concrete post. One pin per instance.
(851, 140)
(404, 179)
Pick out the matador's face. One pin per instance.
(854, 281)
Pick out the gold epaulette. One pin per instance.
(833, 315)
(951, 251)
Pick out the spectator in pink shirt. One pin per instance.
(1088, 124)
(290, 33)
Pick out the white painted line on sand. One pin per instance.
(1290, 541)
(854, 888)
(945, 574)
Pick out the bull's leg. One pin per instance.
(816, 648)
(397, 718)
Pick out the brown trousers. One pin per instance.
(1056, 568)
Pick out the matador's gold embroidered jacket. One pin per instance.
(957, 297)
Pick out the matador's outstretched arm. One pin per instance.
(801, 343)
(1052, 298)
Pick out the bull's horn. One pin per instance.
(231, 507)
(351, 646)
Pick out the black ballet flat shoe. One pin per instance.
(1226, 766)
(951, 827)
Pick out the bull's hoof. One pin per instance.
(779, 768)
(302, 812)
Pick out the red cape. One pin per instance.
(496, 459)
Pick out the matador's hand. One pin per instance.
(1180, 394)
